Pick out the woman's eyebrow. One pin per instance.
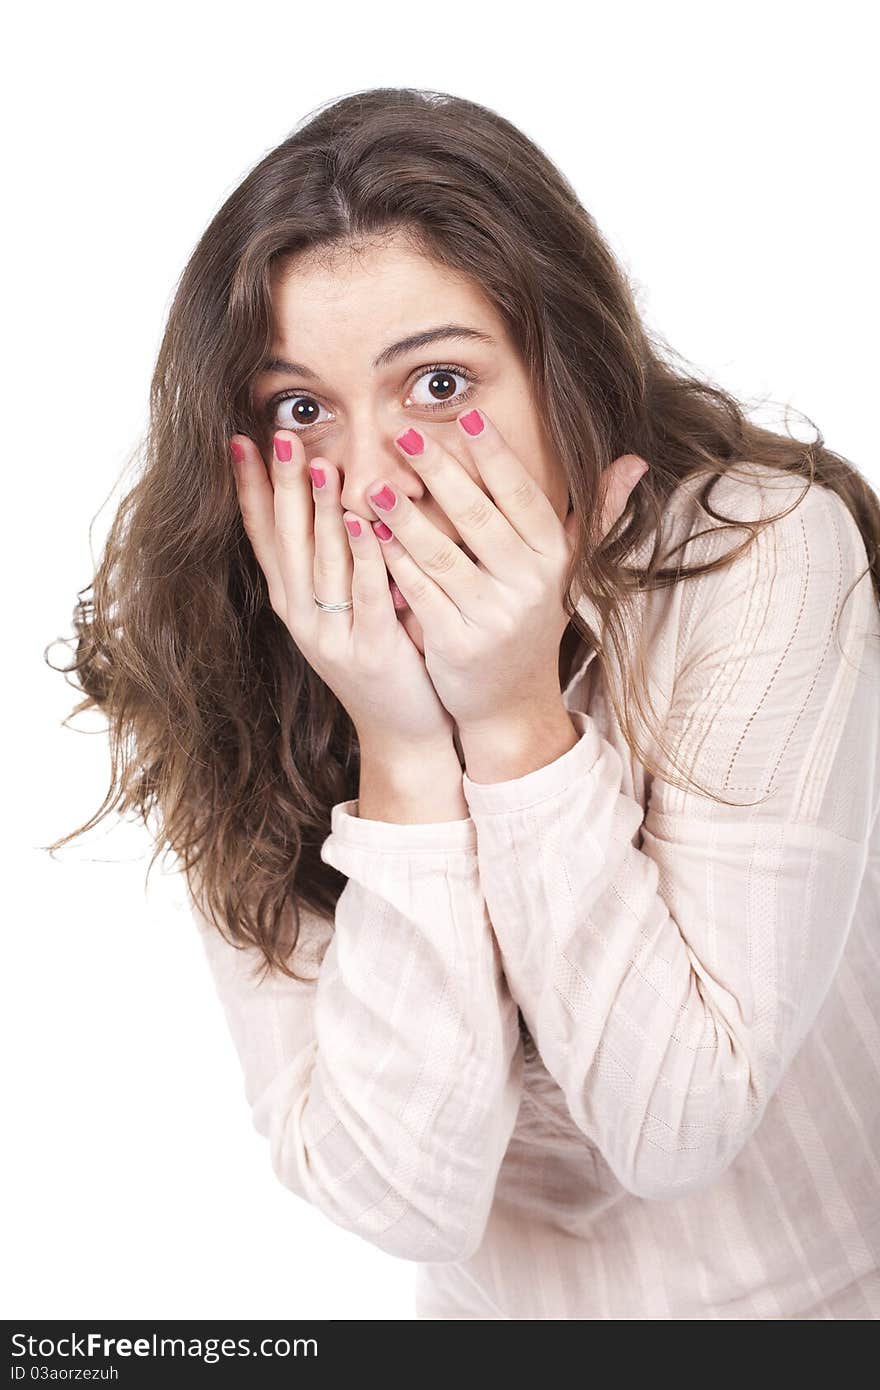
(390, 353)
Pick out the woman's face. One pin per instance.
(335, 315)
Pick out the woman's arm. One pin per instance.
(670, 970)
(388, 1086)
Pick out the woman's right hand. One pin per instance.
(364, 654)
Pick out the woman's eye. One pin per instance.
(299, 412)
(440, 387)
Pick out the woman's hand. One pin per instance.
(491, 630)
(364, 655)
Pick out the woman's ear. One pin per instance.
(618, 481)
(620, 477)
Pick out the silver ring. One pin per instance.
(332, 607)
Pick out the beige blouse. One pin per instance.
(609, 1048)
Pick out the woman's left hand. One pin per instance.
(491, 631)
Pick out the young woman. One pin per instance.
(528, 810)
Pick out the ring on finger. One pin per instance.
(332, 607)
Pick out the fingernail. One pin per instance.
(354, 527)
(382, 531)
(237, 450)
(283, 449)
(317, 475)
(384, 498)
(411, 442)
(472, 422)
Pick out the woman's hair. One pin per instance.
(217, 722)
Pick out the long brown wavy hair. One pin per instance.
(217, 723)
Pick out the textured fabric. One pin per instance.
(609, 1048)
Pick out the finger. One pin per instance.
(435, 569)
(258, 514)
(294, 523)
(512, 488)
(332, 567)
(426, 599)
(373, 605)
(491, 519)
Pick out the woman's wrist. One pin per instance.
(411, 785)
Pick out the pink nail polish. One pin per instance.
(354, 527)
(317, 475)
(411, 442)
(237, 450)
(472, 422)
(382, 531)
(384, 499)
(283, 449)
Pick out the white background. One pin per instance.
(727, 153)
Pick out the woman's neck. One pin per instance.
(568, 650)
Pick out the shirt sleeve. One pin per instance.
(670, 961)
(388, 1084)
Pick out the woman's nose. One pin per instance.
(362, 466)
